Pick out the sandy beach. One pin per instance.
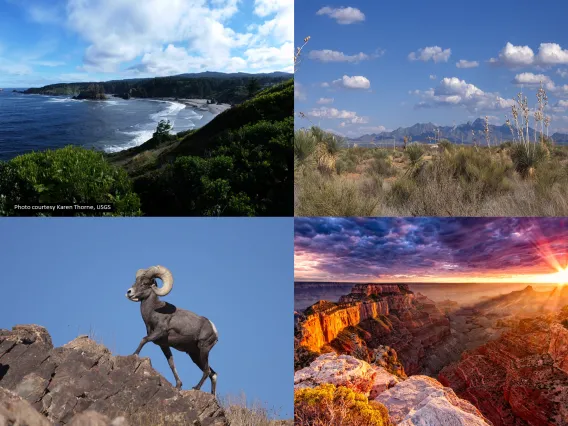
(203, 105)
(200, 104)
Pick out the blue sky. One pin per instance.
(94, 40)
(71, 276)
(392, 64)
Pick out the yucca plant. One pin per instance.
(527, 154)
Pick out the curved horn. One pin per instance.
(139, 273)
(165, 275)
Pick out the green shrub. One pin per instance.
(333, 142)
(304, 144)
(382, 167)
(70, 175)
(446, 144)
(330, 405)
(527, 157)
(248, 174)
(415, 151)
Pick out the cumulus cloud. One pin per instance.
(519, 56)
(343, 15)
(562, 73)
(514, 56)
(535, 80)
(462, 63)
(324, 101)
(433, 53)
(551, 54)
(531, 80)
(433, 77)
(455, 92)
(194, 33)
(357, 82)
(334, 56)
(334, 113)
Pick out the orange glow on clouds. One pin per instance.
(527, 255)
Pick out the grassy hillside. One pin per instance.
(239, 164)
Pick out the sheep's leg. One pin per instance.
(213, 377)
(202, 361)
(152, 337)
(168, 353)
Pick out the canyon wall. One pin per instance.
(520, 378)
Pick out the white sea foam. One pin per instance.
(171, 110)
(138, 138)
(62, 100)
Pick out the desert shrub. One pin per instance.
(381, 167)
(304, 144)
(560, 152)
(453, 184)
(345, 165)
(401, 191)
(379, 154)
(70, 175)
(446, 144)
(333, 195)
(478, 167)
(332, 142)
(527, 157)
(414, 151)
(337, 406)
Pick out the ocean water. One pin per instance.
(37, 122)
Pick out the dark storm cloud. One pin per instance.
(380, 247)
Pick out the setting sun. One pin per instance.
(562, 276)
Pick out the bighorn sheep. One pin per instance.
(168, 326)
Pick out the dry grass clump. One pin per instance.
(328, 405)
(333, 195)
(241, 412)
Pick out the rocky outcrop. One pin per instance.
(418, 400)
(344, 370)
(520, 378)
(84, 376)
(421, 400)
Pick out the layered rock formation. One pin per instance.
(83, 376)
(520, 378)
(373, 315)
(418, 400)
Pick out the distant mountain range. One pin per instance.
(426, 132)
